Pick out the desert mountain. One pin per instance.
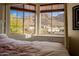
(45, 20)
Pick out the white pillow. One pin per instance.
(3, 36)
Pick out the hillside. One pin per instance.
(45, 20)
(58, 20)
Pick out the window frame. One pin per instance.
(13, 8)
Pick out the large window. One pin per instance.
(22, 19)
(52, 19)
(52, 23)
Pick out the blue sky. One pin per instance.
(29, 13)
(55, 13)
(14, 12)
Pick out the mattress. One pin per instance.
(12, 47)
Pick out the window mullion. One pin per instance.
(23, 19)
(16, 19)
(51, 19)
(34, 23)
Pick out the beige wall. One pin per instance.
(2, 18)
(7, 18)
(74, 34)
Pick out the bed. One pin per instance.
(12, 47)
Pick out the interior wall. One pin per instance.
(74, 34)
(2, 7)
(7, 17)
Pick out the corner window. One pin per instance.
(23, 18)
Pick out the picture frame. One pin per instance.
(75, 17)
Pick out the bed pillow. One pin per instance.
(3, 36)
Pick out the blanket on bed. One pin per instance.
(12, 47)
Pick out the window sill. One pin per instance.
(51, 35)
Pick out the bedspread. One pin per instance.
(35, 48)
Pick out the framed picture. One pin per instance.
(75, 17)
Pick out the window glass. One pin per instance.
(22, 22)
(13, 16)
(45, 23)
(18, 24)
(58, 23)
(52, 23)
(29, 22)
(16, 21)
